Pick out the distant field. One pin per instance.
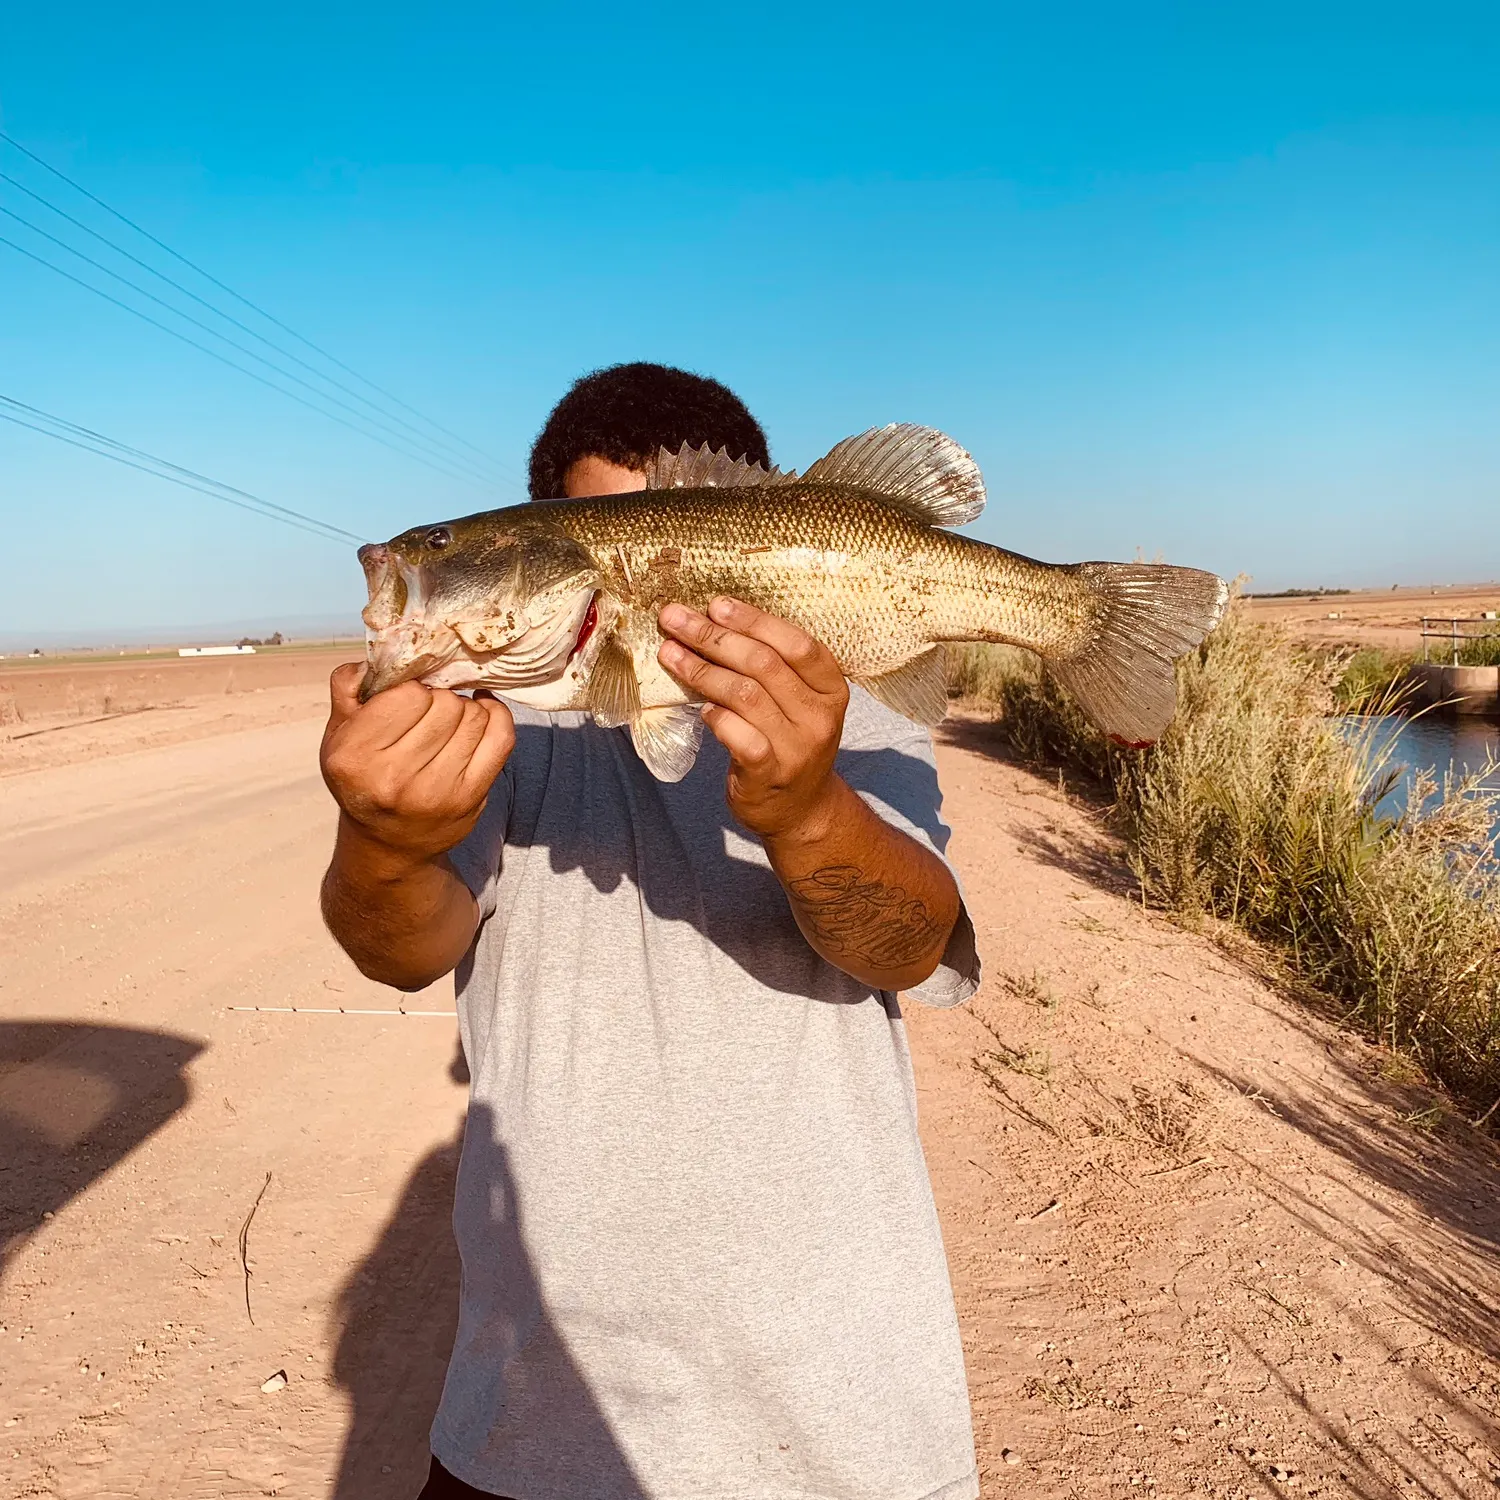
(110, 655)
(91, 684)
(1376, 617)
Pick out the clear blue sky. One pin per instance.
(1215, 282)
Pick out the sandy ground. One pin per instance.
(1202, 1243)
(1379, 617)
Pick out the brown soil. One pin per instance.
(1378, 617)
(55, 713)
(1202, 1242)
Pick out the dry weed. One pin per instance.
(1262, 808)
(1071, 1391)
(1175, 1120)
(1032, 988)
(1029, 1062)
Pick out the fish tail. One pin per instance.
(1146, 615)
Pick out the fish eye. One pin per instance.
(438, 538)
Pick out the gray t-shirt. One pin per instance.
(700, 1255)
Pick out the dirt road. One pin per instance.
(1201, 1245)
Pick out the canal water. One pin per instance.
(1443, 742)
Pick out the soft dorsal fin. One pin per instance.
(920, 466)
(702, 468)
(918, 689)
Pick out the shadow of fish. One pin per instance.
(555, 605)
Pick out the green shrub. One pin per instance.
(1372, 675)
(981, 672)
(1482, 652)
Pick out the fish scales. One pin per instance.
(556, 604)
(870, 581)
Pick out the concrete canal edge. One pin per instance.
(1459, 690)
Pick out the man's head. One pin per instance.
(602, 434)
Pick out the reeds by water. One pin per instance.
(1260, 807)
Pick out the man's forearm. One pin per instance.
(870, 899)
(405, 922)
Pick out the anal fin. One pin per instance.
(918, 689)
(667, 739)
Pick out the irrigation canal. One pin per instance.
(1443, 742)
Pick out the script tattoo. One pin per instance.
(861, 917)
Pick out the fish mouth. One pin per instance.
(394, 657)
(401, 645)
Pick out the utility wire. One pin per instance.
(422, 441)
(156, 473)
(225, 360)
(78, 187)
(77, 436)
(218, 312)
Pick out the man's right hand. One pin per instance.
(412, 767)
(411, 770)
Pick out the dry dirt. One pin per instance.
(1202, 1243)
(58, 713)
(1378, 617)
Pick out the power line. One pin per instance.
(225, 360)
(155, 473)
(78, 436)
(243, 300)
(425, 443)
(218, 312)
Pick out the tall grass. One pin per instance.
(1371, 676)
(1479, 651)
(1260, 807)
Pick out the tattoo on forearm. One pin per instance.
(863, 918)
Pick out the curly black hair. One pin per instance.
(626, 412)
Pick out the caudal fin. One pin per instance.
(1149, 615)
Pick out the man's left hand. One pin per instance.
(775, 701)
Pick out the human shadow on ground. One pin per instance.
(579, 796)
(398, 1318)
(76, 1097)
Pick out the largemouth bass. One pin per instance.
(555, 604)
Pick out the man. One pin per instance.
(700, 1254)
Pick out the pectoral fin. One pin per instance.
(919, 690)
(614, 692)
(667, 739)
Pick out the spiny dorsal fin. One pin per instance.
(702, 468)
(920, 466)
(918, 689)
